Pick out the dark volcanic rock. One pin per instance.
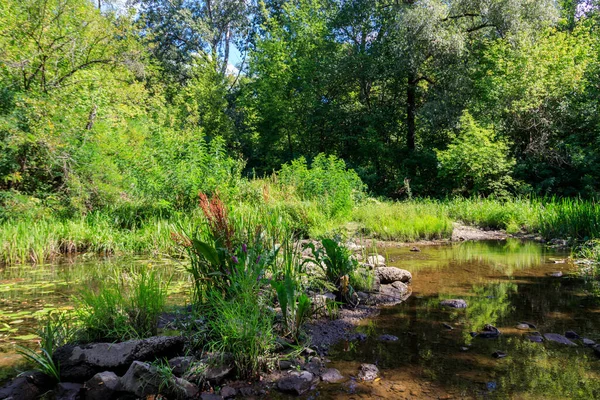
(27, 386)
(555, 337)
(180, 365)
(103, 386)
(454, 303)
(588, 342)
(297, 383)
(69, 391)
(489, 332)
(141, 379)
(392, 274)
(368, 372)
(228, 392)
(80, 363)
(332, 375)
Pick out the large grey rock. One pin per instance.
(141, 379)
(228, 392)
(393, 294)
(80, 363)
(454, 303)
(27, 386)
(368, 372)
(103, 386)
(392, 274)
(213, 369)
(69, 391)
(332, 375)
(297, 383)
(180, 365)
(555, 337)
(181, 388)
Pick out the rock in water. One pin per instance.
(392, 274)
(499, 354)
(332, 375)
(387, 338)
(523, 327)
(555, 337)
(297, 383)
(588, 342)
(535, 338)
(368, 372)
(454, 303)
(572, 335)
(376, 260)
(489, 332)
(556, 274)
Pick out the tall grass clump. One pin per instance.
(575, 219)
(513, 215)
(57, 330)
(125, 307)
(405, 221)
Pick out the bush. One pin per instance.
(476, 162)
(327, 180)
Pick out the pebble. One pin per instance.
(556, 274)
(523, 327)
(447, 326)
(499, 354)
(588, 342)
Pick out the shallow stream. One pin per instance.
(504, 283)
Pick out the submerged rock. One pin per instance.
(392, 294)
(388, 275)
(588, 342)
(499, 354)
(532, 326)
(368, 372)
(332, 375)
(556, 274)
(387, 338)
(555, 337)
(79, 363)
(489, 332)
(523, 327)
(454, 303)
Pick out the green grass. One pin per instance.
(404, 221)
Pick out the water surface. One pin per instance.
(504, 283)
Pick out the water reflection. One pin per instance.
(504, 283)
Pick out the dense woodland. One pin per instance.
(105, 103)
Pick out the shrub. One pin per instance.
(327, 180)
(476, 162)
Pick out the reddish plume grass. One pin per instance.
(218, 221)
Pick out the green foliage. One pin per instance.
(573, 219)
(57, 330)
(338, 265)
(125, 307)
(476, 162)
(327, 179)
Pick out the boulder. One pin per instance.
(80, 363)
(376, 260)
(392, 294)
(69, 391)
(368, 372)
(392, 274)
(180, 365)
(228, 392)
(454, 303)
(27, 386)
(588, 342)
(555, 337)
(103, 386)
(332, 375)
(213, 369)
(141, 379)
(297, 383)
(535, 338)
(182, 388)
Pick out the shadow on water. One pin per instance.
(504, 283)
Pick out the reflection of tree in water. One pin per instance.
(488, 305)
(558, 372)
(504, 256)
